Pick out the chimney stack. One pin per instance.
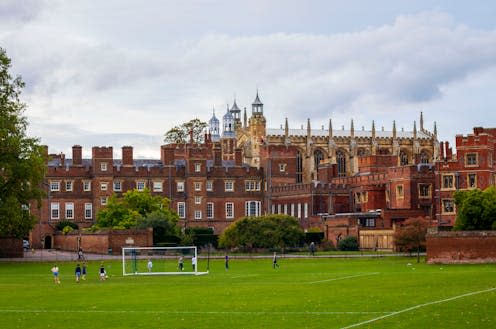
(77, 155)
(127, 156)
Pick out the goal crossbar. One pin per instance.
(159, 260)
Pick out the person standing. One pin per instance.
(312, 248)
(193, 262)
(274, 261)
(180, 264)
(55, 272)
(84, 271)
(149, 265)
(78, 273)
(226, 263)
(103, 274)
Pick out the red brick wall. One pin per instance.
(461, 247)
(100, 242)
(11, 247)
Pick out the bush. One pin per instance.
(67, 229)
(327, 245)
(350, 243)
(63, 224)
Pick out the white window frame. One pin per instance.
(210, 210)
(140, 185)
(253, 208)
(69, 185)
(282, 167)
(117, 186)
(229, 210)
(104, 200)
(86, 185)
(198, 214)
(180, 186)
(197, 167)
(452, 187)
(452, 205)
(181, 209)
(157, 186)
(469, 178)
(198, 186)
(103, 186)
(198, 199)
(54, 186)
(55, 210)
(209, 186)
(103, 166)
(228, 186)
(69, 210)
(88, 211)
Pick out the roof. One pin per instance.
(347, 133)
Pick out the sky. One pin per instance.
(124, 72)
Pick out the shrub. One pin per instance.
(350, 243)
(67, 229)
(63, 224)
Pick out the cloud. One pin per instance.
(14, 13)
(384, 73)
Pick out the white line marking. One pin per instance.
(419, 306)
(345, 277)
(184, 312)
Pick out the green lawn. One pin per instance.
(302, 293)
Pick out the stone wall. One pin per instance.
(461, 247)
(100, 242)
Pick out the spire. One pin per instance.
(245, 119)
(257, 106)
(421, 121)
(352, 130)
(330, 129)
(309, 131)
(394, 129)
(373, 129)
(435, 129)
(286, 130)
(414, 130)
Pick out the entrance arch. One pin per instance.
(48, 242)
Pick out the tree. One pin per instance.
(350, 243)
(140, 210)
(22, 159)
(269, 231)
(181, 134)
(476, 209)
(411, 235)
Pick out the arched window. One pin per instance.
(299, 168)
(317, 157)
(383, 151)
(403, 158)
(424, 157)
(362, 152)
(341, 160)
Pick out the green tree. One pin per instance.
(181, 134)
(138, 209)
(350, 243)
(476, 209)
(22, 159)
(269, 231)
(411, 235)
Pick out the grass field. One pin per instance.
(302, 293)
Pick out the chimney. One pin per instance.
(441, 147)
(167, 155)
(449, 153)
(62, 159)
(238, 157)
(77, 155)
(217, 156)
(127, 156)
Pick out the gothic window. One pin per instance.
(383, 151)
(362, 152)
(403, 158)
(299, 168)
(318, 156)
(424, 157)
(341, 160)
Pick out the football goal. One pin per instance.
(160, 261)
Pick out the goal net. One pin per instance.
(160, 261)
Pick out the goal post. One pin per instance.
(161, 261)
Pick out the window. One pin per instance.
(210, 186)
(448, 181)
(229, 210)
(299, 168)
(471, 159)
(88, 211)
(181, 209)
(341, 160)
(54, 210)
(448, 206)
(69, 210)
(68, 186)
(252, 208)
(210, 210)
(424, 157)
(399, 191)
(252, 185)
(317, 157)
(282, 167)
(103, 166)
(198, 214)
(403, 158)
(198, 186)
(103, 200)
(229, 186)
(180, 186)
(472, 181)
(424, 190)
(103, 186)
(305, 210)
(198, 199)
(157, 186)
(86, 185)
(140, 185)
(117, 186)
(54, 186)
(197, 167)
